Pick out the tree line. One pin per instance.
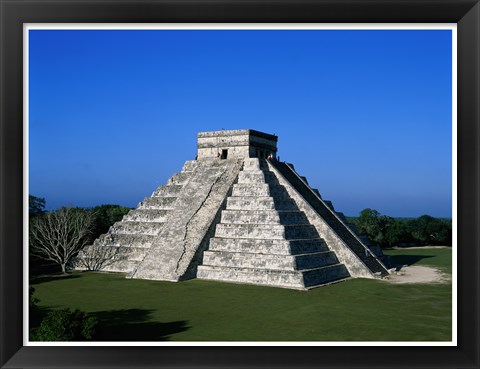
(387, 231)
(56, 237)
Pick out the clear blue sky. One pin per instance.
(364, 115)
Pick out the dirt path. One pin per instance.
(418, 274)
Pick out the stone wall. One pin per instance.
(243, 143)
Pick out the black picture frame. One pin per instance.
(466, 13)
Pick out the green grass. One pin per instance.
(440, 258)
(196, 310)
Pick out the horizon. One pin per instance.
(365, 116)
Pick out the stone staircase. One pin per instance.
(129, 240)
(179, 244)
(263, 238)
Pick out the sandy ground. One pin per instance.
(417, 274)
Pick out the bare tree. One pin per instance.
(98, 256)
(59, 235)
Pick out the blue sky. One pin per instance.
(364, 115)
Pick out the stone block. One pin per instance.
(146, 215)
(179, 178)
(319, 276)
(126, 240)
(132, 227)
(315, 260)
(189, 166)
(259, 246)
(274, 278)
(158, 203)
(259, 203)
(248, 260)
(169, 190)
(251, 189)
(263, 217)
(248, 177)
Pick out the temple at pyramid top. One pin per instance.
(237, 143)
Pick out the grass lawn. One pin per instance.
(196, 310)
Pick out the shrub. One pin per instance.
(65, 325)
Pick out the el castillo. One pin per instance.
(238, 214)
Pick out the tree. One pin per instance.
(396, 232)
(104, 216)
(368, 222)
(428, 230)
(381, 229)
(36, 206)
(374, 225)
(58, 236)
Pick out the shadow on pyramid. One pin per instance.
(236, 214)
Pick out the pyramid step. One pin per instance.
(315, 260)
(110, 258)
(158, 203)
(244, 260)
(276, 278)
(251, 189)
(189, 166)
(276, 191)
(260, 203)
(123, 266)
(263, 217)
(269, 261)
(115, 253)
(127, 227)
(279, 192)
(169, 190)
(320, 276)
(146, 215)
(132, 240)
(254, 164)
(266, 231)
(179, 178)
(246, 177)
(258, 246)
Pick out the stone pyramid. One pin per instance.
(236, 214)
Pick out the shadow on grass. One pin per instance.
(400, 260)
(134, 325)
(51, 277)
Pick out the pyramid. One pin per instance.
(236, 214)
